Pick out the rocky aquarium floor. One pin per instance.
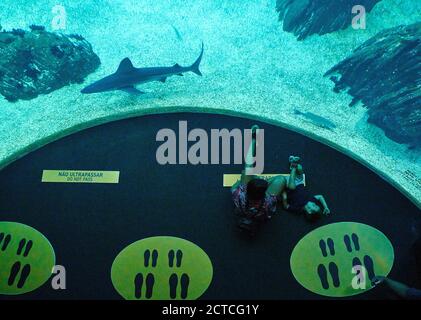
(250, 67)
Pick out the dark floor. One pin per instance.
(89, 224)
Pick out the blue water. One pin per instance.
(250, 66)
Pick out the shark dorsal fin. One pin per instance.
(177, 66)
(125, 65)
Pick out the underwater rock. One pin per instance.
(307, 17)
(385, 74)
(39, 62)
(18, 32)
(35, 27)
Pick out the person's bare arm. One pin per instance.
(399, 288)
(322, 200)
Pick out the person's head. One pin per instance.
(313, 207)
(256, 189)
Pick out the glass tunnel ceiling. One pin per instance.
(250, 68)
(126, 214)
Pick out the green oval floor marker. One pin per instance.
(162, 268)
(26, 258)
(340, 259)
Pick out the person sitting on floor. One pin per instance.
(296, 198)
(254, 196)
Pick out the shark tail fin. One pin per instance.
(195, 66)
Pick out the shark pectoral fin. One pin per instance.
(163, 79)
(131, 90)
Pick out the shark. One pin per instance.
(317, 120)
(127, 76)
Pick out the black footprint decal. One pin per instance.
(13, 273)
(150, 281)
(321, 270)
(322, 245)
(146, 257)
(331, 246)
(28, 248)
(26, 270)
(22, 244)
(184, 283)
(356, 262)
(171, 258)
(356, 241)
(369, 265)
(20, 247)
(173, 282)
(138, 283)
(347, 241)
(179, 257)
(154, 258)
(6, 241)
(334, 272)
(24, 275)
(185, 280)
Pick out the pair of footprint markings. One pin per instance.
(17, 268)
(356, 262)
(24, 246)
(150, 258)
(329, 244)
(173, 283)
(175, 258)
(327, 247)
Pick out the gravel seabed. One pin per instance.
(250, 67)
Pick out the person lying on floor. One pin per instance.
(254, 196)
(296, 197)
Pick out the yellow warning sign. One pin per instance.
(80, 176)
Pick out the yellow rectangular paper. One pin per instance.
(80, 176)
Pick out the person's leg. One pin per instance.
(296, 175)
(291, 179)
(299, 176)
(243, 180)
(277, 184)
